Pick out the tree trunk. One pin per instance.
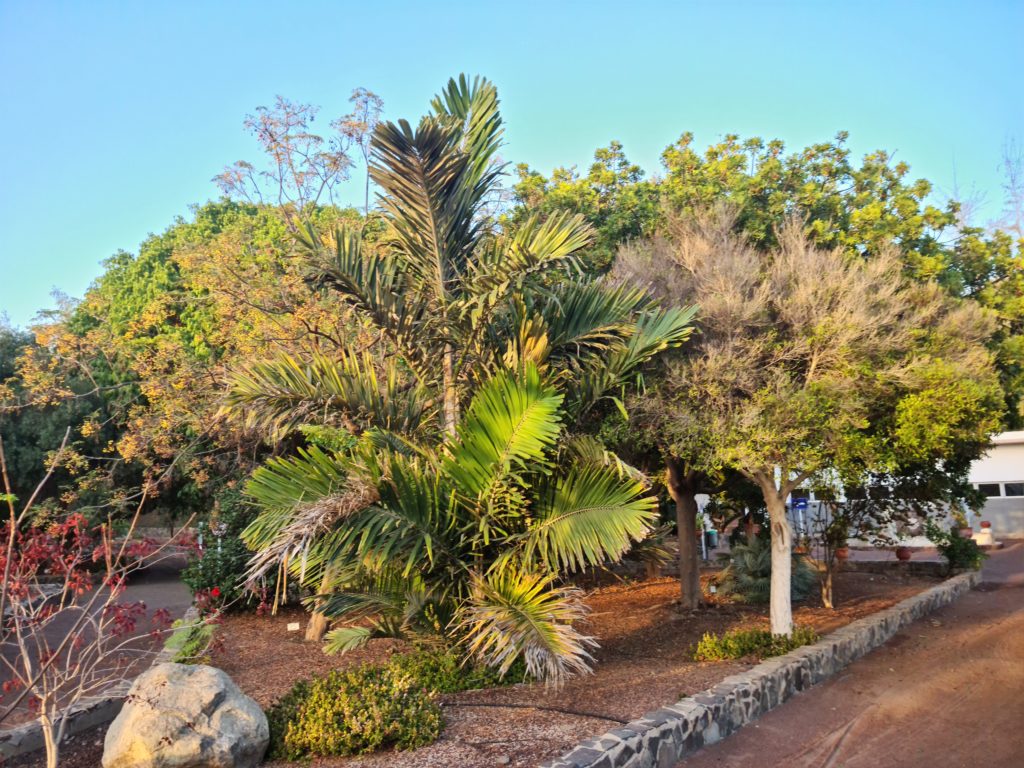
(826, 584)
(52, 747)
(781, 609)
(682, 486)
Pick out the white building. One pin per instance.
(999, 474)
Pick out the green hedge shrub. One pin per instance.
(960, 553)
(751, 642)
(352, 712)
(440, 671)
(355, 711)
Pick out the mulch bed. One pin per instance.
(645, 661)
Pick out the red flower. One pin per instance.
(215, 592)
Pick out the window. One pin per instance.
(989, 489)
(1013, 489)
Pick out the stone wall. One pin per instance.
(661, 738)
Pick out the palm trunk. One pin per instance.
(451, 398)
(318, 621)
(682, 486)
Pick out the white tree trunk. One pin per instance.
(781, 609)
(49, 739)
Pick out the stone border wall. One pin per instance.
(661, 738)
(94, 711)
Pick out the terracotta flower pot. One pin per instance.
(903, 553)
(842, 553)
(986, 524)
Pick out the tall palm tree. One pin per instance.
(467, 494)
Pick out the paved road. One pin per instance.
(946, 692)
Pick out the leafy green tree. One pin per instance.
(467, 495)
(613, 197)
(810, 362)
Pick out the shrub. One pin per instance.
(751, 642)
(441, 671)
(373, 707)
(748, 574)
(220, 567)
(352, 712)
(191, 643)
(958, 551)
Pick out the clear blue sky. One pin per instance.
(115, 116)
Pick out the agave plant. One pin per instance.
(468, 493)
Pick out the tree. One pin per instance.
(613, 197)
(810, 361)
(67, 633)
(465, 496)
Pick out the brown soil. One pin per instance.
(644, 662)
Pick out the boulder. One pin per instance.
(186, 716)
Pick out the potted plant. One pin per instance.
(963, 526)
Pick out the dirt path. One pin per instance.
(946, 692)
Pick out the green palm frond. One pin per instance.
(473, 109)
(284, 483)
(307, 537)
(586, 518)
(431, 199)
(521, 615)
(586, 319)
(408, 529)
(345, 639)
(282, 394)
(503, 269)
(588, 450)
(378, 286)
(510, 425)
(655, 331)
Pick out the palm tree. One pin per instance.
(467, 495)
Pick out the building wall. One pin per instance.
(1001, 470)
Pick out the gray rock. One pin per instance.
(186, 716)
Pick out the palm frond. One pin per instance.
(345, 639)
(587, 449)
(378, 286)
(516, 614)
(408, 528)
(282, 394)
(431, 196)
(504, 267)
(507, 430)
(588, 517)
(301, 538)
(473, 108)
(655, 331)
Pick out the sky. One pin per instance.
(115, 116)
